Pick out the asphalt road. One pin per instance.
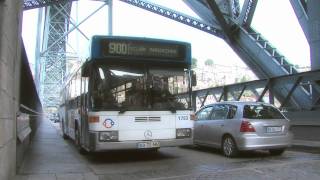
(52, 158)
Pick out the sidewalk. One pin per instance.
(51, 158)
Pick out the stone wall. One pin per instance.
(10, 39)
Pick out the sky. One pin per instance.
(274, 19)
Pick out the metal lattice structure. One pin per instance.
(53, 54)
(234, 27)
(53, 59)
(221, 18)
(32, 4)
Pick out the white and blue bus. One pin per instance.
(124, 96)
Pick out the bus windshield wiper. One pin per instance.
(172, 108)
(123, 109)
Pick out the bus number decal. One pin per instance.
(183, 118)
(118, 48)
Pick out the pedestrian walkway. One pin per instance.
(51, 158)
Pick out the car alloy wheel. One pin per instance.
(229, 147)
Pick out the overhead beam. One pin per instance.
(247, 12)
(33, 4)
(202, 11)
(176, 16)
(300, 9)
(222, 22)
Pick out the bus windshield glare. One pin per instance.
(137, 87)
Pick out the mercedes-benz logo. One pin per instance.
(148, 134)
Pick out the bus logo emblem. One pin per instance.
(108, 123)
(148, 134)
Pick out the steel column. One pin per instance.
(314, 32)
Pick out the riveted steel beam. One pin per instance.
(247, 12)
(33, 4)
(176, 16)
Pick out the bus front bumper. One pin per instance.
(98, 146)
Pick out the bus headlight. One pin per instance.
(183, 133)
(108, 136)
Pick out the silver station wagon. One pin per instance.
(241, 126)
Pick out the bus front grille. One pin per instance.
(147, 119)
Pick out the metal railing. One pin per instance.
(262, 90)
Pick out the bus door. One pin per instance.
(84, 111)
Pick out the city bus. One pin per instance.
(125, 95)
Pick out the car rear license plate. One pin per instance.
(148, 144)
(274, 129)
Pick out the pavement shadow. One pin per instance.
(242, 154)
(124, 156)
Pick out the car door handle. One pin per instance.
(221, 125)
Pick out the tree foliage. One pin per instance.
(194, 62)
(208, 62)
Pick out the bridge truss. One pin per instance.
(221, 18)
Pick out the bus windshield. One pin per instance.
(137, 88)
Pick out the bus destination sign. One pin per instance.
(127, 48)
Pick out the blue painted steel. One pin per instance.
(32, 4)
(140, 49)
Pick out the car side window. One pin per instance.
(204, 113)
(220, 111)
(232, 111)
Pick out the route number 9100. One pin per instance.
(118, 48)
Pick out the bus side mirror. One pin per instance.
(193, 79)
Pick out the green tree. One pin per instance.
(242, 79)
(194, 63)
(208, 62)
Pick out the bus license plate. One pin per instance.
(149, 144)
(274, 129)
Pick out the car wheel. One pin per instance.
(276, 152)
(229, 147)
(77, 142)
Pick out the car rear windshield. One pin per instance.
(261, 112)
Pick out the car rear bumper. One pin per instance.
(255, 142)
(97, 146)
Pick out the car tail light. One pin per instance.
(246, 126)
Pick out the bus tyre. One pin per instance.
(77, 142)
(229, 147)
(276, 152)
(64, 135)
